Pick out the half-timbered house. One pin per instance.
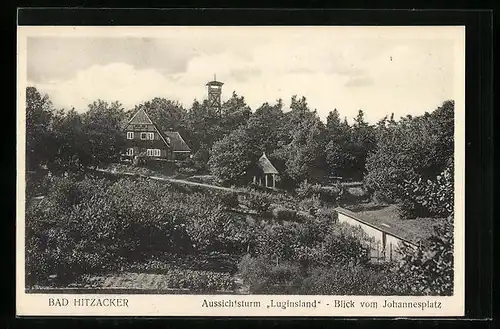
(145, 139)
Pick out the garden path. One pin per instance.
(166, 179)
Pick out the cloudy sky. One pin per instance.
(379, 70)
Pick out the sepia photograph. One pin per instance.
(241, 161)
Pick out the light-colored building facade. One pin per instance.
(385, 245)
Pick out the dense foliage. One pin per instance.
(431, 198)
(299, 145)
(91, 224)
(66, 140)
(413, 148)
(95, 225)
(281, 243)
(428, 270)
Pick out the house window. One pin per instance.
(144, 136)
(157, 152)
(130, 151)
(151, 136)
(149, 152)
(130, 135)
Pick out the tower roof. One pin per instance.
(214, 83)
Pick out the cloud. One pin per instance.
(380, 76)
(359, 82)
(113, 82)
(242, 75)
(63, 57)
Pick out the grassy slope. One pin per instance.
(411, 229)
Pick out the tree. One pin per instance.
(338, 159)
(348, 147)
(39, 114)
(166, 114)
(413, 148)
(203, 127)
(232, 158)
(300, 145)
(304, 155)
(434, 197)
(362, 143)
(70, 141)
(102, 126)
(235, 113)
(264, 126)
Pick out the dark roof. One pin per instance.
(266, 166)
(140, 117)
(214, 83)
(177, 142)
(411, 231)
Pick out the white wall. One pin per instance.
(377, 235)
(370, 231)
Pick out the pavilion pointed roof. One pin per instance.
(266, 166)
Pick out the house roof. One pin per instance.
(387, 220)
(266, 166)
(140, 117)
(177, 142)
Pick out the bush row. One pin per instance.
(195, 280)
(265, 277)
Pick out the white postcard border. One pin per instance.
(192, 305)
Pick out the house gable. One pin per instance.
(140, 118)
(141, 122)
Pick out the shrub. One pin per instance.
(306, 189)
(84, 226)
(330, 194)
(253, 273)
(346, 280)
(205, 179)
(262, 276)
(265, 277)
(187, 171)
(284, 214)
(277, 242)
(258, 202)
(310, 203)
(36, 184)
(230, 200)
(429, 198)
(330, 215)
(345, 244)
(428, 270)
(172, 277)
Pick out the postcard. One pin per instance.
(240, 171)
